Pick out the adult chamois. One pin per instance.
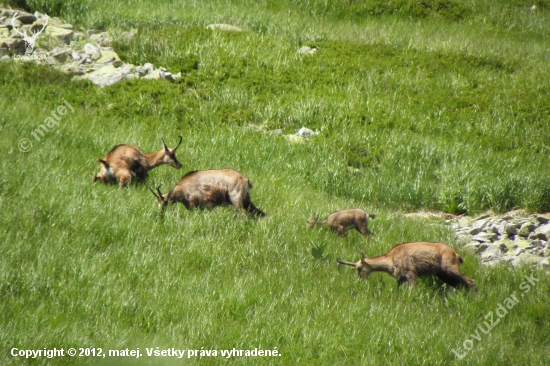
(408, 261)
(125, 162)
(211, 188)
(342, 221)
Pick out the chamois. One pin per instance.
(408, 261)
(342, 221)
(125, 162)
(211, 188)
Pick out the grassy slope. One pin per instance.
(417, 109)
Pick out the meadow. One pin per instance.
(436, 105)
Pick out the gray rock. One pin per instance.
(155, 74)
(5, 59)
(92, 51)
(107, 75)
(303, 132)
(25, 18)
(101, 39)
(522, 243)
(545, 229)
(474, 231)
(484, 237)
(306, 50)
(109, 57)
(526, 259)
(61, 54)
(542, 219)
(492, 252)
(482, 247)
(526, 229)
(62, 35)
(538, 236)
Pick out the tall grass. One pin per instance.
(415, 108)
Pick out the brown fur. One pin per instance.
(342, 221)
(211, 188)
(124, 163)
(408, 261)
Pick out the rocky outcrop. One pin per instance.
(516, 238)
(87, 55)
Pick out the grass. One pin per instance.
(438, 105)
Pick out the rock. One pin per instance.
(544, 264)
(306, 132)
(545, 229)
(155, 74)
(224, 27)
(522, 243)
(526, 229)
(92, 51)
(101, 39)
(145, 69)
(61, 54)
(305, 50)
(91, 32)
(542, 219)
(474, 231)
(505, 245)
(107, 75)
(25, 18)
(484, 237)
(492, 252)
(5, 58)
(525, 259)
(75, 56)
(63, 36)
(482, 247)
(538, 236)
(109, 57)
(16, 46)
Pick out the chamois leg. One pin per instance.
(456, 280)
(124, 177)
(251, 208)
(341, 230)
(411, 278)
(362, 228)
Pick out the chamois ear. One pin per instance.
(363, 257)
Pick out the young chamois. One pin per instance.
(211, 188)
(125, 162)
(342, 221)
(408, 261)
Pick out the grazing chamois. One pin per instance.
(342, 221)
(125, 162)
(211, 188)
(408, 261)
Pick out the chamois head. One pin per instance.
(162, 199)
(169, 157)
(311, 222)
(362, 267)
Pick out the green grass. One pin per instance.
(435, 105)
